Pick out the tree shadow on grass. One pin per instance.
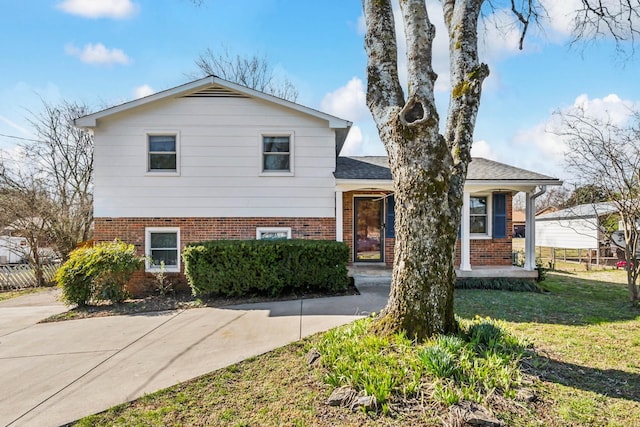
(609, 382)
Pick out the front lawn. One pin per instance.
(586, 355)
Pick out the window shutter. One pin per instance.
(499, 215)
(390, 223)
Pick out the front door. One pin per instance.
(369, 232)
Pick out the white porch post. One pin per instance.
(339, 217)
(465, 249)
(530, 233)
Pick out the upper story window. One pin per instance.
(277, 154)
(163, 153)
(478, 223)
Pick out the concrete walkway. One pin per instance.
(55, 373)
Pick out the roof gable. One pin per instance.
(213, 86)
(210, 86)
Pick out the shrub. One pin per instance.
(265, 267)
(160, 283)
(98, 273)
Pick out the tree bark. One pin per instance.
(428, 169)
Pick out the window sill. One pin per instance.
(162, 174)
(275, 173)
(166, 270)
(480, 237)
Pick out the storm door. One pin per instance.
(368, 227)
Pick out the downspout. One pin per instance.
(530, 232)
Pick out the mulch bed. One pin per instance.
(179, 300)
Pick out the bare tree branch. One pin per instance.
(606, 154)
(254, 72)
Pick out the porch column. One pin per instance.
(339, 217)
(530, 233)
(465, 249)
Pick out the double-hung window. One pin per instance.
(163, 248)
(479, 215)
(162, 153)
(277, 154)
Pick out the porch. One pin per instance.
(478, 272)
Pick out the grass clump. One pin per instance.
(481, 361)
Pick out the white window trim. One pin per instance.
(292, 144)
(147, 248)
(489, 234)
(161, 132)
(261, 230)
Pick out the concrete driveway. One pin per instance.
(55, 373)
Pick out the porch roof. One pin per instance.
(481, 171)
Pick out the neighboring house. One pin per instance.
(519, 224)
(215, 160)
(582, 227)
(13, 250)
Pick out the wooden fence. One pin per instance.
(23, 276)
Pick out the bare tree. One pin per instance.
(555, 197)
(606, 155)
(254, 72)
(429, 168)
(55, 170)
(25, 207)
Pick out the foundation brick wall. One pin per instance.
(132, 230)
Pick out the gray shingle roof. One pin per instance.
(581, 211)
(480, 169)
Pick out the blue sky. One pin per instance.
(103, 52)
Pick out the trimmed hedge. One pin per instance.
(265, 267)
(499, 283)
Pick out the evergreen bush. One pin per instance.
(265, 267)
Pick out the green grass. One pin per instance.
(583, 367)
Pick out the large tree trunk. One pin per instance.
(428, 169)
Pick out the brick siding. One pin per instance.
(132, 230)
(483, 251)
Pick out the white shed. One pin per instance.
(12, 249)
(577, 227)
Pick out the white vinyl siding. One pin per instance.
(570, 234)
(219, 162)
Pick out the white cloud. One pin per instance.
(561, 15)
(353, 144)
(98, 54)
(483, 149)
(610, 108)
(540, 141)
(116, 9)
(142, 91)
(348, 102)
